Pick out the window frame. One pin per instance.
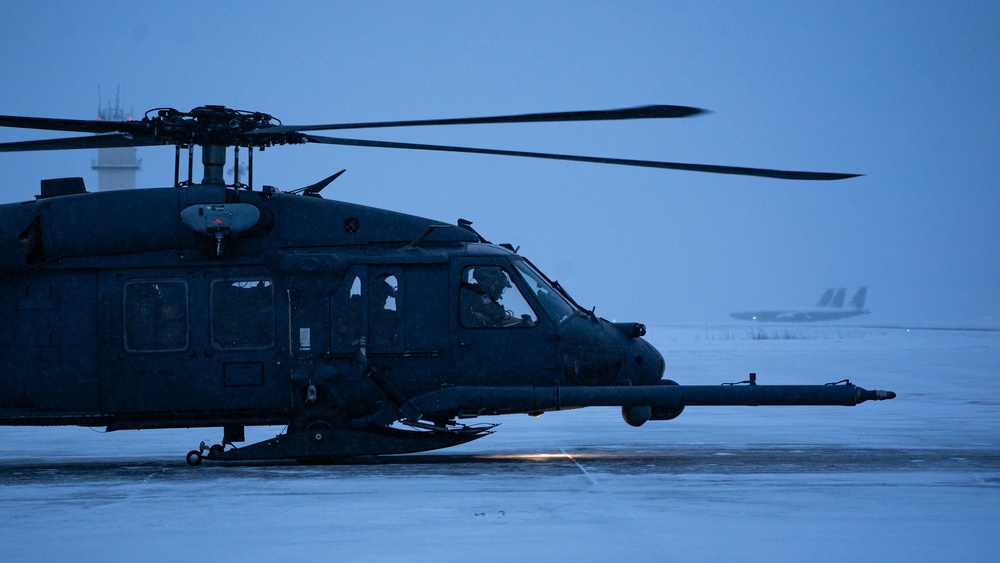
(515, 284)
(127, 315)
(269, 321)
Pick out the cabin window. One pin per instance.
(242, 314)
(489, 300)
(156, 316)
(31, 243)
(347, 315)
(384, 319)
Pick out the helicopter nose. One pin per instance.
(602, 353)
(590, 354)
(643, 364)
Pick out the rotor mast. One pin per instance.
(219, 128)
(213, 159)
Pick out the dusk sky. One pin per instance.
(905, 94)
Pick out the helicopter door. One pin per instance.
(48, 341)
(408, 325)
(499, 337)
(187, 343)
(146, 339)
(402, 315)
(366, 312)
(246, 351)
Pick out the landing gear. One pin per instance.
(316, 419)
(317, 440)
(318, 424)
(194, 457)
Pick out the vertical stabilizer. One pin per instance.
(838, 299)
(825, 299)
(858, 301)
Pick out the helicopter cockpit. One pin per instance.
(552, 300)
(492, 297)
(486, 302)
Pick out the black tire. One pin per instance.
(317, 418)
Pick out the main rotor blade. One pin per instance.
(89, 142)
(77, 125)
(711, 168)
(642, 112)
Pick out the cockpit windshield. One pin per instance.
(554, 303)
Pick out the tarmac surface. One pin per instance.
(912, 479)
(610, 460)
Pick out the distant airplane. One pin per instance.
(829, 308)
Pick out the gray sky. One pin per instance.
(905, 94)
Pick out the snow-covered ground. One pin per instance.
(914, 479)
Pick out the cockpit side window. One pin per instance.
(554, 303)
(489, 300)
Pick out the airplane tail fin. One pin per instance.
(858, 301)
(838, 298)
(825, 299)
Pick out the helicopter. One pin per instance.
(362, 331)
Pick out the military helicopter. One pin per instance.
(364, 331)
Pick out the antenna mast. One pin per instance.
(116, 167)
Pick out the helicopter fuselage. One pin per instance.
(207, 305)
(117, 312)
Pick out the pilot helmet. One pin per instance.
(489, 275)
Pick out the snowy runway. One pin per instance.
(917, 478)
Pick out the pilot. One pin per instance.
(481, 301)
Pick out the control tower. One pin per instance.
(115, 167)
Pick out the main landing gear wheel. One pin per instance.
(317, 423)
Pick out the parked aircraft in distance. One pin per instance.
(829, 308)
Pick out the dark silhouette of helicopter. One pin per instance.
(365, 331)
